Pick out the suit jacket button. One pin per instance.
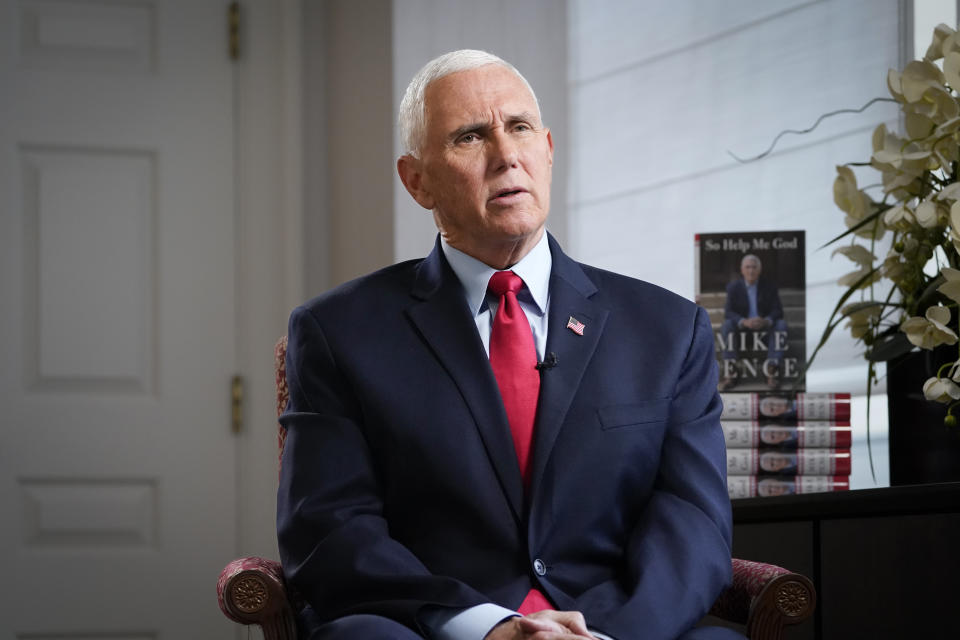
(539, 567)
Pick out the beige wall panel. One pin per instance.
(359, 133)
(89, 218)
(89, 36)
(72, 514)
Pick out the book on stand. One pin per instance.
(779, 439)
(753, 287)
(768, 486)
(803, 462)
(781, 443)
(827, 434)
(785, 407)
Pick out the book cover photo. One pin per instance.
(757, 434)
(785, 407)
(753, 285)
(772, 486)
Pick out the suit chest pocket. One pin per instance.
(646, 413)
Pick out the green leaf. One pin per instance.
(860, 306)
(923, 301)
(831, 323)
(870, 218)
(889, 347)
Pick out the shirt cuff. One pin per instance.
(602, 636)
(473, 623)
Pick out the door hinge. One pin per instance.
(236, 403)
(233, 30)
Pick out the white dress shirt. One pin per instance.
(534, 298)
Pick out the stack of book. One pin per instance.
(752, 285)
(781, 443)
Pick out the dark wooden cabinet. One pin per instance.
(885, 562)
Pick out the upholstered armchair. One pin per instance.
(763, 598)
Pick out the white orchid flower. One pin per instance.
(930, 331)
(955, 225)
(856, 252)
(899, 217)
(854, 277)
(899, 161)
(850, 199)
(951, 69)
(941, 390)
(894, 84)
(951, 191)
(950, 288)
(937, 105)
(928, 214)
(940, 33)
(919, 125)
(860, 316)
(917, 77)
(893, 267)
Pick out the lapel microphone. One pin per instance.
(549, 362)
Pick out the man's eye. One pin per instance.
(469, 137)
(522, 127)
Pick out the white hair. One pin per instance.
(412, 117)
(750, 256)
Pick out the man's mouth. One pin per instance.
(506, 193)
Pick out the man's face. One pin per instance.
(750, 270)
(774, 488)
(773, 406)
(775, 435)
(774, 462)
(485, 166)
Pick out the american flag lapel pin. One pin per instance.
(576, 326)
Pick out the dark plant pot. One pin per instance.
(922, 449)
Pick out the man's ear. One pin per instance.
(410, 170)
(550, 145)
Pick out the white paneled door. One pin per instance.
(117, 318)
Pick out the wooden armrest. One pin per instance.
(765, 598)
(786, 600)
(252, 591)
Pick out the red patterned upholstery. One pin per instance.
(253, 596)
(252, 591)
(763, 597)
(749, 579)
(283, 395)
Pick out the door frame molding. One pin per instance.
(269, 242)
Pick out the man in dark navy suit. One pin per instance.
(496, 441)
(753, 320)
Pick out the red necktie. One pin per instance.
(513, 357)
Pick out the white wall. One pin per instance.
(661, 91)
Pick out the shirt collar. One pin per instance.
(474, 275)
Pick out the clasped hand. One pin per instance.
(543, 625)
(755, 323)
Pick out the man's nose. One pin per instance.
(505, 152)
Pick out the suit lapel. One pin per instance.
(445, 323)
(570, 292)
